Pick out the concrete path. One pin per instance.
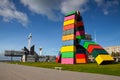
(20, 72)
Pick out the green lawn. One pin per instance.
(109, 69)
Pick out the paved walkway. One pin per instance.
(20, 72)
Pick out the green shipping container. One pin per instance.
(86, 44)
(68, 54)
(96, 52)
(80, 37)
(73, 12)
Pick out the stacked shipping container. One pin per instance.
(81, 56)
(73, 32)
(75, 45)
(69, 41)
(93, 48)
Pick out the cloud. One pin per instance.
(8, 12)
(107, 6)
(44, 7)
(51, 8)
(70, 5)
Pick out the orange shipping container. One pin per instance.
(67, 27)
(81, 60)
(68, 37)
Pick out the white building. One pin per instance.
(111, 49)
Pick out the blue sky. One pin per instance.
(44, 19)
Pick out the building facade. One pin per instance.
(111, 49)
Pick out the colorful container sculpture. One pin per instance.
(75, 45)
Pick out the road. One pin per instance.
(20, 72)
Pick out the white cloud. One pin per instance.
(44, 7)
(99, 2)
(51, 8)
(70, 5)
(106, 12)
(107, 6)
(8, 12)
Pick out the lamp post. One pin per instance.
(29, 40)
(40, 51)
(11, 55)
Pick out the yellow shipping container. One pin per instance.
(68, 37)
(71, 21)
(103, 58)
(68, 49)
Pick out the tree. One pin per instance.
(113, 54)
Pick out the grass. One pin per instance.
(109, 69)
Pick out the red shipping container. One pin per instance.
(78, 56)
(92, 47)
(80, 24)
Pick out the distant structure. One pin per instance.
(40, 51)
(77, 45)
(29, 54)
(111, 49)
(88, 36)
(29, 40)
(25, 54)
